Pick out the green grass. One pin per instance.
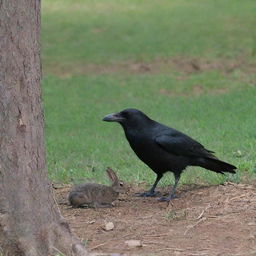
(221, 115)
(90, 31)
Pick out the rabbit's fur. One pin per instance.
(96, 195)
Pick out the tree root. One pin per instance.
(53, 239)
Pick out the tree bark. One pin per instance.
(30, 222)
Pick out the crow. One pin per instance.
(164, 149)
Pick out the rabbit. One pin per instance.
(97, 195)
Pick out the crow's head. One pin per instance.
(128, 117)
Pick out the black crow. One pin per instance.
(165, 149)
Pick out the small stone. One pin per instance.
(134, 243)
(109, 226)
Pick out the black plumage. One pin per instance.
(164, 149)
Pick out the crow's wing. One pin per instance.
(180, 144)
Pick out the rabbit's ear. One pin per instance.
(111, 174)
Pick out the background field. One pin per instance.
(188, 64)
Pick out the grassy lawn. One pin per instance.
(188, 64)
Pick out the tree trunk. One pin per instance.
(30, 221)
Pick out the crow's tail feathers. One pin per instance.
(216, 165)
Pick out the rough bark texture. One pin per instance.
(30, 222)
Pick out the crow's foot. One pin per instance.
(147, 194)
(168, 198)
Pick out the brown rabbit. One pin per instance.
(96, 195)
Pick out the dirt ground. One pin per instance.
(181, 64)
(204, 220)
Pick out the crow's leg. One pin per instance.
(151, 192)
(173, 191)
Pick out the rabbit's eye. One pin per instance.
(121, 184)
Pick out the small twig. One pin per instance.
(171, 248)
(152, 242)
(146, 217)
(99, 245)
(130, 234)
(202, 213)
(236, 197)
(157, 235)
(189, 228)
(58, 251)
(198, 254)
(213, 216)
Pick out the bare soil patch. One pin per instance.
(184, 65)
(204, 220)
(197, 90)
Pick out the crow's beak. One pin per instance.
(115, 117)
